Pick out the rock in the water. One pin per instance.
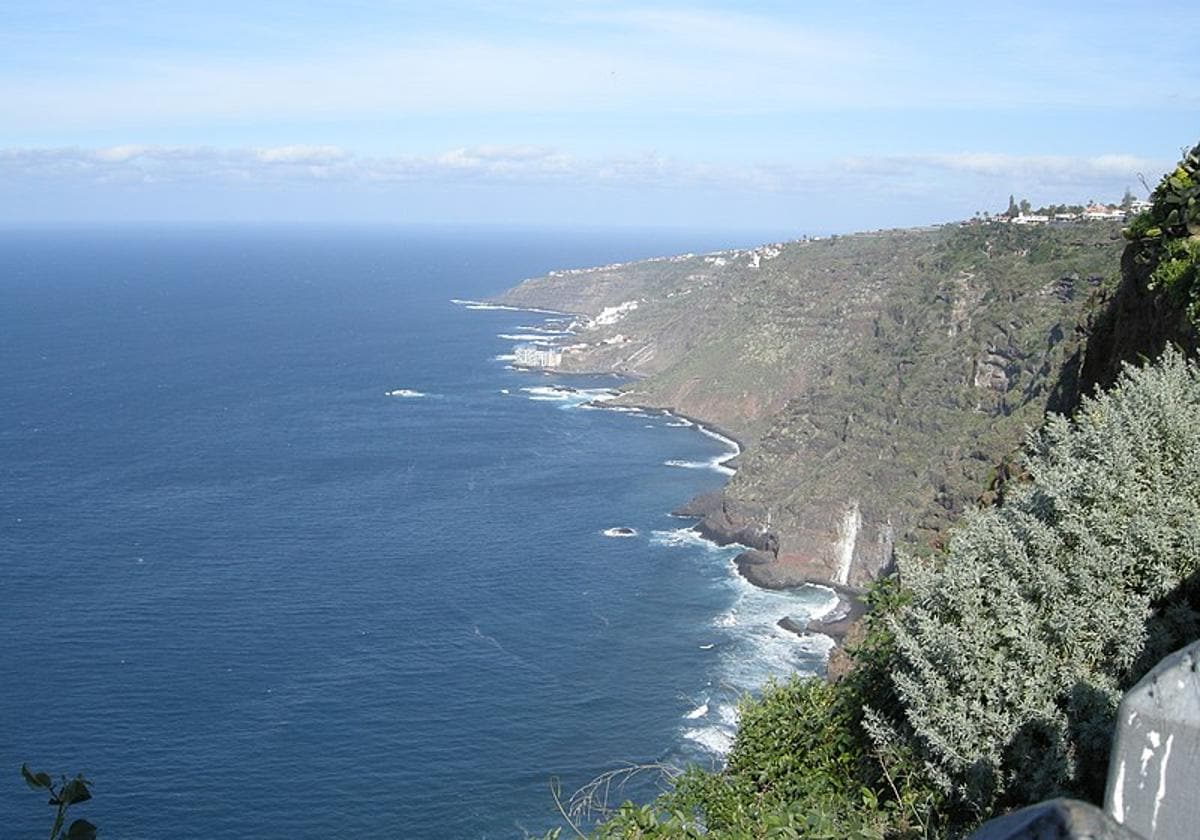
(1057, 819)
(791, 625)
(1156, 751)
(838, 623)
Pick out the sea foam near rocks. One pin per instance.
(715, 464)
(544, 331)
(538, 337)
(480, 305)
(718, 463)
(683, 537)
(750, 646)
(569, 397)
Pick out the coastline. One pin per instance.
(836, 622)
(758, 564)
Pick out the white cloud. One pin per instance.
(119, 154)
(527, 164)
(495, 160)
(300, 154)
(1048, 169)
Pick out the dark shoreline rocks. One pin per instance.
(717, 524)
(792, 626)
(844, 618)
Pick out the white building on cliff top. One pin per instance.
(531, 355)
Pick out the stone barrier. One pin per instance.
(1154, 771)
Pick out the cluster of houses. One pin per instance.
(1093, 212)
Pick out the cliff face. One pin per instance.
(1130, 323)
(875, 379)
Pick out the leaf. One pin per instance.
(75, 791)
(36, 780)
(81, 830)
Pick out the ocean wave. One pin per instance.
(615, 409)
(746, 646)
(715, 464)
(541, 339)
(717, 740)
(621, 531)
(684, 537)
(728, 714)
(718, 463)
(758, 647)
(544, 330)
(569, 397)
(404, 392)
(698, 712)
(835, 602)
(549, 391)
(726, 619)
(480, 305)
(505, 357)
(622, 409)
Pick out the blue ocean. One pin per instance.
(288, 549)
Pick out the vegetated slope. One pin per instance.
(876, 379)
(990, 671)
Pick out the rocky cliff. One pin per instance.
(875, 380)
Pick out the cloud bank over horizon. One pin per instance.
(750, 115)
(156, 173)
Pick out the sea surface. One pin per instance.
(249, 591)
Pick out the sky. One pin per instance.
(790, 117)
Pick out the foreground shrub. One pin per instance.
(1018, 641)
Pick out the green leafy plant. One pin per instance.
(62, 797)
(1168, 234)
